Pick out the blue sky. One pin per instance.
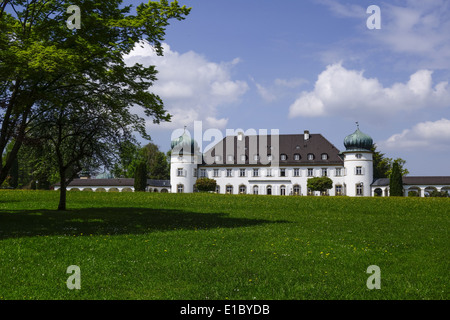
(312, 65)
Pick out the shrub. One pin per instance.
(439, 194)
(205, 184)
(321, 184)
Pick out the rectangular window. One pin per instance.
(180, 172)
(283, 172)
(338, 190)
(269, 172)
(229, 172)
(338, 172)
(359, 189)
(241, 172)
(256, 172)
(358, 171)
(216, 173)
(230, 189)
(296, 172)
(202, 173)
(195, 172)
(324, 172)
(310, 172)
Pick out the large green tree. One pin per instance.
(382, 165)
(44, 64)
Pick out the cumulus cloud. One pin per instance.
(424, 135)
(339, 91)
(192, 87)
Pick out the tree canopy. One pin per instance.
(321, 184)
(382, 166)
(56, 76)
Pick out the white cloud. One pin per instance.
(344, 10)
(420, 29)
(424, 135)
(279, 88)
(348, 93)
(191, 87)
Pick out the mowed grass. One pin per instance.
(208, 246)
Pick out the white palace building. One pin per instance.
(282, 164)
(272, 165)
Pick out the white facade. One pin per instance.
(359, 177)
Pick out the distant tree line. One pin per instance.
(33, 168)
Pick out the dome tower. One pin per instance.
(358, 163)
(184, 159)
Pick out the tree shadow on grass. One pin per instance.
(102, 221)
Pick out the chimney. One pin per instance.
(306, 135)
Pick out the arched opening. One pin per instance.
(100, 190)
(73, 189)
(255, 190)
(155, 190)
(428, 190)
(269, 190)
(413, 192)
(164, 190)
(127, 190)
(296, 190)
(283, 190)
(378, 192)
(87, 189)
(113, 190)
(229, 189)
(242, 189)
(180, 188)
(446, 189)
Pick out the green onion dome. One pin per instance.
(358, 141)
(184, 144)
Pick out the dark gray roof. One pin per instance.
(289, 145)
(158, 183)
(416, 180)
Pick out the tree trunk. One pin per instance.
(62, 192)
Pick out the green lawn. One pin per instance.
(208, 246)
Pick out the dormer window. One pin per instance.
(256, 157)
(217, 158)
(310, 156)
(283, 157)
(358, 156)
(324, 156)
(230, 158)
(296, 156)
